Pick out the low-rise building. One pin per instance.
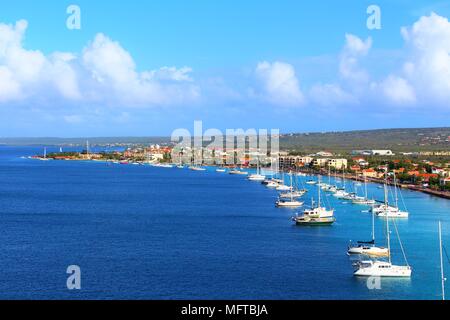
(373, 152)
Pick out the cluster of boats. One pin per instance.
(373, 260)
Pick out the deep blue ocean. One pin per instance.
(139, 232)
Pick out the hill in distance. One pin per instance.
(398, 140)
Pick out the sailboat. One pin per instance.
(258, 176)
(291, 203)
(363, 200)
(44, 158)
(380, 268)
(316, 216)
(296, 192)
(368, 247)
(386, 210)
(236, 171)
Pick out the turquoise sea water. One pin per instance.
(139, 232)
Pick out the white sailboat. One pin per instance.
(44, 158)
(258, 176)
(291, 203)
(368, 247)
(390, 211)
(380, 268)
(364, 200)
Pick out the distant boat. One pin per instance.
(44, 158)
(291, 202)
(221, 170)
(238, 172)
(258, 176)
(387, 211)
(311, 182)
(196, 168)
(284, 188)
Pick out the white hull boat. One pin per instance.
(381, 269)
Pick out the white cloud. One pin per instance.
(428, 65)
(398, 90)
(280, 85)
(105, 73)
(349, 68)
(331, 95)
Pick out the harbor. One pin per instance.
(154, 225)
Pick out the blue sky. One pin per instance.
(147, 68)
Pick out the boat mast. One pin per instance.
(373, 226)
(395, 190)
(292, 190)
(329, 173)
(318, 188)
(365, 186)
(387, 218)
(343, 177)
(442, 262)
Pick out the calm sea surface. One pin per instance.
(139, 232)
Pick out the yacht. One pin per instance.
(378, 268)
(316, 215)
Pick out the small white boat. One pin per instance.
(284, 188)
(393, 214)
(221, 170)
(311, 182)
(196, 168)
(256, 177)
(272, 185)
(363, 201)
(292, 194)
(289, 203)
(238, 172)
(341, 194)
